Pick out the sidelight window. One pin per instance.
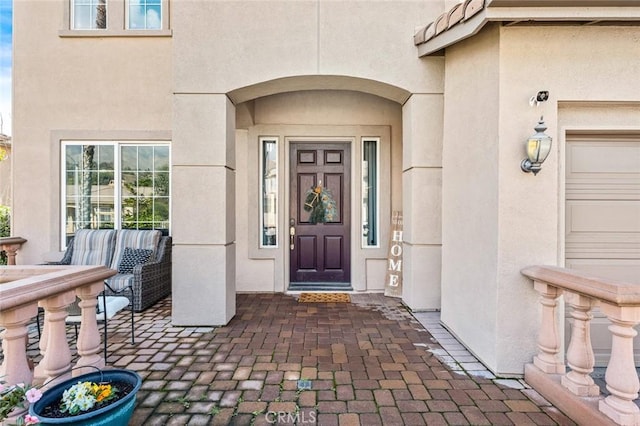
(370, 192)
(269, 192)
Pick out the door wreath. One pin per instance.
(320, 203)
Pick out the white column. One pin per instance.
(422, 200)
(203, 210)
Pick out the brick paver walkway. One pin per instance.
(369, 362)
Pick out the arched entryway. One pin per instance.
(335, 119)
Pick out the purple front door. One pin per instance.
(320, 252)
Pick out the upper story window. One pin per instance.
(145, 14)
(89, 14)
(116, 18)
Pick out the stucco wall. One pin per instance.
(470, 193)
(74, 88)
(262, 41)
(578, 65)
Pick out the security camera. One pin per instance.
(542, 96)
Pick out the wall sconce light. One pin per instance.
(538, 148)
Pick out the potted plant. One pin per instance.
(99, 398)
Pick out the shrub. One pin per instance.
(5, 230)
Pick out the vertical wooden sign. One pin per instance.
(393, 281)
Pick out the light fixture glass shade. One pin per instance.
(538, 148)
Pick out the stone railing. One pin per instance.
(53, 288)
(11, 245)
(572, 389)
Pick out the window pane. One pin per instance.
(269, 184)
(129, 160)
(88, 197)
(370, 193)
(105, 157)
(145, 14)
(161, 158)
(145, 158)
(161, 184)
(89, 14)
(142, 185)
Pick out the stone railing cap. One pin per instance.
(617, 292)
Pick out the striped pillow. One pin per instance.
(138, 239)
(93, 247)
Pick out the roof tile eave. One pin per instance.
(461, 12)
(461, 21)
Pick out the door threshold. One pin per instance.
(320, 287)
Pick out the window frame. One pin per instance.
(262, 141)
(363, 217)
(117, 172)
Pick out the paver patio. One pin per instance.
(368, 362)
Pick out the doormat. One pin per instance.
(324, 298)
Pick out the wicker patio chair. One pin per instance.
(149, 281)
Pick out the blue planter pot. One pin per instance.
(117, 413)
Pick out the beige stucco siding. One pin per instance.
(520, 214)
(470, 192)
(253, 42)
(74, 88)
(577, 64)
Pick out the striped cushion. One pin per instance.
(93, 246)
(120, 281)
(135, 239)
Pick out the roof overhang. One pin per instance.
(432, 38)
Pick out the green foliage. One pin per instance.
(5, 222)
(145, 211)
(5, 230)
(12, 397)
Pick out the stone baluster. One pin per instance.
(548, 358)
(55, 365)
(15, 367)
(89, 338)
(621, 377)
(580, 352)
(11, 245)
(39, 375)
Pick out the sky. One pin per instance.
(6, 7)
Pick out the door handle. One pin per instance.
(292, 233)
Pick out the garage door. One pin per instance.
(603, 217)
